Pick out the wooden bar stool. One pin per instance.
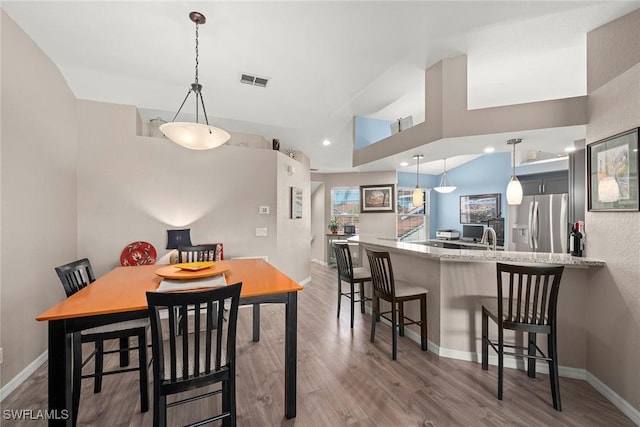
(384, 287)
(527, 302)
(352, 275)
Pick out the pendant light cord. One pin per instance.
(514, 161)
(417, 170)
(197, 63)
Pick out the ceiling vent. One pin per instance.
(254, 80)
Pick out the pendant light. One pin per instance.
(514, 189)
(195, 136)
(445, 183)
(418, 194)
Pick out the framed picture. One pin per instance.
(296, 203)
(377, 198)
(612, 171)
(479, 208)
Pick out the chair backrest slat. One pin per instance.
(75, 275)
(381, 273)
(199, 253)
(532, 293)
(190, 352)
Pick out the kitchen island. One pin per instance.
(457, 279)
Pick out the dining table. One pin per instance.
(120, 295)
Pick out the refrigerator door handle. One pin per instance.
(564, 231)
(530, 230)
(536, 225)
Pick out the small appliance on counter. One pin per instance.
(447, 234)
(349, 229)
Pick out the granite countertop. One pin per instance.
(476, 255)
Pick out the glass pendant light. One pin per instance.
(514, 189)
(445, 183)
(195, 136)
(418, 194)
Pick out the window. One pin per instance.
(413, 223)
(345, 205)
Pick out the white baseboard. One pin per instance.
(305, 281)
(23, 375)
(319, 261)
(613, 397)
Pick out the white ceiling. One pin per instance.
(327, 62)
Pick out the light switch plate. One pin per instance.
(261, 231)
(264, 210)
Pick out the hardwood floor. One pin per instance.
(344, 380)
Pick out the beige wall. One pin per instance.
(134, 188)
(614, 291)
(38, 194)
(318, 225)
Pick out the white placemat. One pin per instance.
(168, 285)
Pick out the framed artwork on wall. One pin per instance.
(479, 208)
(296, 203)
(612, 171)
(377, 198)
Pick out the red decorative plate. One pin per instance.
(138, 253)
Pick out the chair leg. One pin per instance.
(485, 340)
(375, 309)
(401, 317)
(230, 402)
(553, 371)
(362, 297)
(423, 323)
(394, 331)
(531, 362)
(77, 375)
(500, 361)
(142, 364)
(159, 410)
(353, 302)
(339, 294)
(98, 366)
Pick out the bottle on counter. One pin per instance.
(583, 241)
(575, 241)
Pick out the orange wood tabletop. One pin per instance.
(123, 288)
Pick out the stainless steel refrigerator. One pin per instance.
(539, 224)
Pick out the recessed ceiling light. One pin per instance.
(570, 149)
(403, 164)
(489, 150)
(326, 142)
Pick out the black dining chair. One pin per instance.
(527, 302)
(384, 287)
(184, 360)
(74, 277)
(352, 275)
(197, 253)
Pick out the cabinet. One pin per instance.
(545, 183)
(354, 248)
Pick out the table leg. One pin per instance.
(59, 365)
(291, 351)
(256, 322)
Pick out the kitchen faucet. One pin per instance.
(484, 240)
